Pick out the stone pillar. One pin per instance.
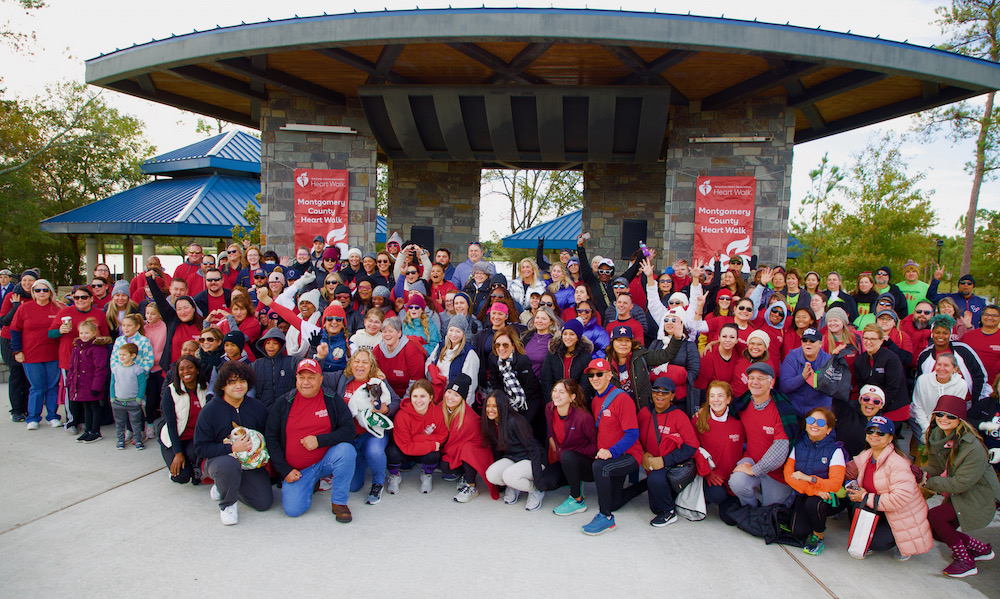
(148, 249)
(613, 193)
(443, 195)
(90, 243)
(770, 162)
(284, 151)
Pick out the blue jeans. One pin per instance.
(338, 460)
(371, 454)
(44, 380)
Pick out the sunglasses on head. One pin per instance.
(945, 415)
(872, 399)
(816, 421)
(876, 432)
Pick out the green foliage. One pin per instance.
(883, 218)
(382, 190)
(59, 152)
(533, 195)
(210, 127)
(18, 40)
(252, 216)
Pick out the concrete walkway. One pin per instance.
(88, 520)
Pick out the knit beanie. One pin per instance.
(121, 286)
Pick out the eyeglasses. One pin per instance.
(411, 272)
(876, 432)
(213, 280)
(549, 304)
(334, 319)
(872, 399)
(42, 290)
(744, 308)
(945, 415)
(80, 298)
(869, 339)
(816, 421)
(595, 375)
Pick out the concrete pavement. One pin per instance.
(88, 520)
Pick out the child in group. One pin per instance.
(418, 434)
(463, 452)
(128, 384)
(85, 378)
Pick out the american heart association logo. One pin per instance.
(706, 187)
(302, 180)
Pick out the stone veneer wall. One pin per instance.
(770, 162)
(443, 195)
(284, 151)
(616, 192)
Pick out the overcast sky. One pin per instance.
(72, 31)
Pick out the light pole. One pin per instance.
(940, 244)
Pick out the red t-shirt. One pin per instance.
(33, 322)
(216, 303)
(307, 416)
(348, 393)
(559, 434)
(868, 480)
(184, 332)
(763, 427)
(614, 421)
(637, 332)
(987, 347)
(193, 412)
(724, 442)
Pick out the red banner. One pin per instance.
(321, 207)
(723, 218)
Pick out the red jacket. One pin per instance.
(579, 429)
(439, 291)
(919, 338)
(406, 365)
(415, 434)
(465, 445)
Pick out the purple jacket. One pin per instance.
(581, 432)
(88, 370)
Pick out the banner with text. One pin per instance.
(723, 218)
(321, 207)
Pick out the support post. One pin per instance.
(91, 245)
(129, 250)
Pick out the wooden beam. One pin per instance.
(832, 87)
(218, 81)
(132, 88)
(364, 65)
(289, 83)
(496, 63)
(754, 85)
(523, 60)
(642, 73)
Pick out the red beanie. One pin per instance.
(334, 309)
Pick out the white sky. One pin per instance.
(71, 31)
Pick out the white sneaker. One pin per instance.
(32, 426)
(56, 423)
(229, 515)
(214, 493)
(510, 495)
(128, 436)
(535, 500)
(149, 432)
(466, 494)
(426, 484)
(392, 483)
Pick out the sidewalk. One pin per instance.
(88, 520)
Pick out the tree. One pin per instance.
(533, 194)
(825, 179)
(252, 216)
(885, 217)
(210, 127)
(17, 40)
(974, 29)
(59, 152)
(382, 190)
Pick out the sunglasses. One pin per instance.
(549, 304)
(876, 432)
(414, 308)
(206, 339)
(259, 277)
(620, 286)
(604, 271)
(736, 262)
(724, 299)
(215, 280)
(945, 415)
(503, 345)
(884, 303)
(744, 309)
(42, 290)
(874, 400)
(497, 296)
(816, 421)
(777, 311)
(382, 261)
(334, 319)
(80, 298)
(97, 285)
(411, 272)
(331, 282)
(584, 311)
(595, 375)
(675, 302)
(233, 252)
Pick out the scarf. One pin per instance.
(511, 385)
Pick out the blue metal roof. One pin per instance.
(233, 151)
(208, 206)
(559, 233)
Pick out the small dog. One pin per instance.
(364, 403)
(257, 456)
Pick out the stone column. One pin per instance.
(284, 151)
(613, 193)
(90, 243)
(770, 162)
(148, 249)
(443, 195)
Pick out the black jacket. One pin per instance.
(597, 288)
(553, 371)
(885, 371)
(215, 422)
(529, 383)
(201, 300)
(340, 419)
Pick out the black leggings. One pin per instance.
(809, 514)
(92, 415)
(154, 385)
(463, 470)
(573, 468)
(394, 456)
(610, 475)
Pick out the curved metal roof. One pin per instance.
(233, 151)
(835, 81)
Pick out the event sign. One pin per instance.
(723, 220)
(321, 207)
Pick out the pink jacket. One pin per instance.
(900, 500)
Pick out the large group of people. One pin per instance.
(693, 386)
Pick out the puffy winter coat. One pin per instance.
(899, 500)
(88, 370)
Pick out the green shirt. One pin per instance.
(915, 293)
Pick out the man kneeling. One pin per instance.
(309, 435)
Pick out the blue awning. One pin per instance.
(235, 151)
(207, 206)
(559, 233)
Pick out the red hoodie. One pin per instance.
(416, 434)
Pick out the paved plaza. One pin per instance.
(90, 521)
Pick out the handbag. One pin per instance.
(681, 475)
(834, 378)
(862, 530)
(691, 501)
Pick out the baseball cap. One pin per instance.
(309, 365)
(599, 365)
(881, 423)
(811, 334)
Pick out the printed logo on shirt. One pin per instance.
(880, 370)
(768, 430)
(734, 438)
(322, 413)
(430, 429)
(398, 373)
(281, 372)
(665, 430)
(606, 413)
(823, 460)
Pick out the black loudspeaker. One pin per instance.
(633, 231)
(424, 237)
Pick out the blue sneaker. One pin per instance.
(570, 506)
(814, 545)
(599, 525)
